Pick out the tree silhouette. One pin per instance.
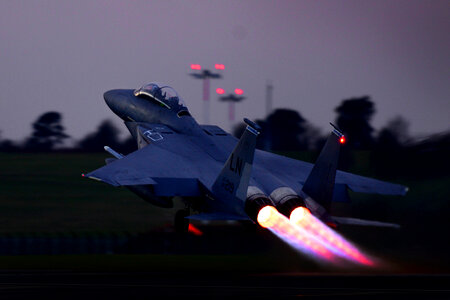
(394, 134)
(8, 146)
(287, 128)
(353, 119)
(47, 132)
(106, 135)
(283, 130)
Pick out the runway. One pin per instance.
(139, 285)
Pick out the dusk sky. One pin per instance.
(63, 55)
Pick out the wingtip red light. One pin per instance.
(219, 66)
(342, 140)
(196, 67)
(220, 91)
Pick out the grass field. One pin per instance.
(44, 194)
(155, 263)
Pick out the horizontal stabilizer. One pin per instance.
(361, 222)
(359, 184)
(217, 217)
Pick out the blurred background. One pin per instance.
(378, 70)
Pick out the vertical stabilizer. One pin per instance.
(234, 178)
(320, 183)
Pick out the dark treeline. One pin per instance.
(392, 151)
(106, 135)
(48, 135)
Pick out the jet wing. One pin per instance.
(361, 184)
(172, 163)
(176, 164)
(294, 173)
(361, 222)
(217, 217)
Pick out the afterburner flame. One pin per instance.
(303, 218)
(299, 214)
(270, 218)
(266, 216)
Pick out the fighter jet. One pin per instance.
(217, 176)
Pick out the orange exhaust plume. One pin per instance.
(270, 218)
(303, 218)
(267, 216)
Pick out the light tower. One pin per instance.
(206, 75)
(269, 92)
(231, 99)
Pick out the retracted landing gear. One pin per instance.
(181, 223)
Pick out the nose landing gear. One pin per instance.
(181, 223)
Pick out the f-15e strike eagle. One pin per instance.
(217, 175)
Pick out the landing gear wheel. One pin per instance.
(181, 223)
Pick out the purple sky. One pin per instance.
(61, 55)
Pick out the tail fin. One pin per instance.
(320, 183)
(234, 178)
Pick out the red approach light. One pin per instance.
(342, 140)
(196, 67)
(219, 66)
(194, 230)
(220, 91)
(238, 91)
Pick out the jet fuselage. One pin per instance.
(128, 107)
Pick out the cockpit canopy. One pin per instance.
(164, 95)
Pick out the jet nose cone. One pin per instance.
(110, 98)
(115, 101)
(120, 102)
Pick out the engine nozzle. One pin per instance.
(256, 200)
(286, 200)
